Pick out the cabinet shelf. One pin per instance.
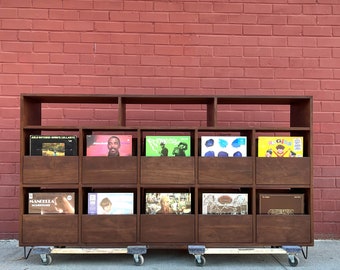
(140, 174)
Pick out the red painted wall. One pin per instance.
(242, 47)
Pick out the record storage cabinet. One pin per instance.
(140, 174)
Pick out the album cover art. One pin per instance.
(223, 146)
(225, 203)
(109, 145)
(280, 146)
(51, 203)
(167, 203)
(110, 203)
(45, 145)
(168, 146)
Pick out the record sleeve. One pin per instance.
(225, 203)
(109, 145)
(119, 203)
(51, 203)
(168, 203)
(223, 146)
(280, 146)
(169, 146)
(45, 145)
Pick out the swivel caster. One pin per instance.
(200, 260)
(139, 259)
(293, 260)
(46, 259)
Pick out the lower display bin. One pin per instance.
(105, 229)
(167, 228)
(50, 229)
(284, 229)
(225, 229)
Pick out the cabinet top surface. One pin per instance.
(162, 99)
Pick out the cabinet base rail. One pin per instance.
(199, 251)
(46, 252)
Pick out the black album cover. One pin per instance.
(45, 145)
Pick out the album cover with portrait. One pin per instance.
(109, 145)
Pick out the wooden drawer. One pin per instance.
(284, 229)
(99, 229)
(109, 170)
(287, 171)
(225, 229)
(50, 230)
(167, 170)
(167, 228)
(50, 170)
(225, 171)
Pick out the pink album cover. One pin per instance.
(109, 145)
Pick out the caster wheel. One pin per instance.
(200, 261)
(293, 261)
(46, 259)
(139, 259)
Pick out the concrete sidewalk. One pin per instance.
(324, 255)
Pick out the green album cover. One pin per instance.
(171, 146)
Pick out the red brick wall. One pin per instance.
(238, 47)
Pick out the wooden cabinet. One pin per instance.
(139, 174)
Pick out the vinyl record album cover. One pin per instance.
(225, 203)
(167, 203)
(120, 203)
(109, 145)
(280, 146)
(45, 145)
(171, 146)
(51, 203)
(223, 146)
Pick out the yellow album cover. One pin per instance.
(280, 146)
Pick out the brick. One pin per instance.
(95, 81)
(287, 30)
(329, 42)
(244, 61)
(17, 68)
(79, 48)
(7, 191)
(201, 72)
(44, 4)
(304, 84)
(318, 73)
(155, 82)
(108, 5)
(245, 83)
(198, 28)
(78, 26)
(34, 79)
(215, 83)
(169, 50)
(246, 19)
(302, 20)
(169, 71)
(33, 58)
(259, 73)
(35, 36)
(155, 60)
(317, 52)
(287, 52)
(91, 15)
(124, 81)
(324, 183)
(8, 57)
(25, 13)
(185, 82)
(124, 16)
(6, 79)
(215, 62)
(17, 46)
(64, 58)
(185, 61)
(277, 83)
(16, 3)
(257, 8)
(287, 9)
(154, 17)
(272, 41)
(321, 31)
(216, 18)
(139, 49)
(139, 71)
(65, 36)
(64, 80)
(138, 5)
(8, 13)
(198, 7)
(78, 69)
(19, 24)
(304, 62)
(47, 47)
(272, 19)
(8, 35)
(198, 50)
(180, 17)
(302, 41)
(64, 14)
(49, 25)
(108, 27)
(125, 38)
(231, 29)
(244, 41)
(288, 73)
(317, 9)
(168, 28)
(101, 70)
